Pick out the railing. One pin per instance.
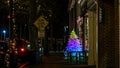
(79, 57)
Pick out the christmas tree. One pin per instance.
(73, 45)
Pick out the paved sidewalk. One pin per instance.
(55, 61)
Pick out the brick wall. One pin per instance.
(107, 37)
(116, 36)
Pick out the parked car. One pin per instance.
(22, 51)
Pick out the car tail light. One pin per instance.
(22, 49)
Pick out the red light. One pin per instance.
(22, 49)
(16, 52)
(26, 41)
(8, 16)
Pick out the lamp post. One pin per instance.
(4, 32)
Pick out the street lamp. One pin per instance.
(4, 32)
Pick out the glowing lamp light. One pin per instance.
(26, 41)
(16, 52)
(8, 16)
(22, 49)
(4, 31)
(28, 45)
(13, 43)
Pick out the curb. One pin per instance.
(23, 65)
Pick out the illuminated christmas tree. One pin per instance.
(73, 45)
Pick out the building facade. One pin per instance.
(97, 25)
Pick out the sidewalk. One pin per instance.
(55, 61)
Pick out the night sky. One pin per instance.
(60, 19)
(3, 20)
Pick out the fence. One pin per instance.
(79, 57)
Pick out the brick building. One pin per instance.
(97, 23)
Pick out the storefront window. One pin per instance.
(80, 29)
(86, 34)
